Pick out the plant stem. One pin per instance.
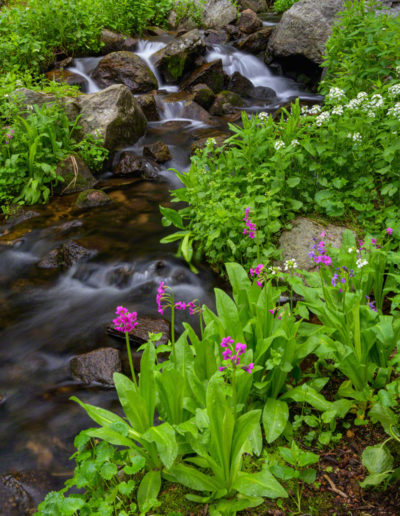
(234, 393)
(128, 346)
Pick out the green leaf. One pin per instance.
(172, 217)
(375, 479)
(260, 484)
(194, 479)
(275, 417)
(164, 438)
(108, 470)
(240, 503)
(377, 459)
(148, 490)
(306, 394)
(384, 416)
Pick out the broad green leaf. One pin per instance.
(275, 416)
(194, 479)
(377, 459)
(110, 436)
(133, 403)
(374, 480)
(147, 384)
(306, 394)
(172, 216)
(228, 315)
(148, 489)
(163, 436)
(244, 427)
(383, 415)
(260, 484)
(239, 503)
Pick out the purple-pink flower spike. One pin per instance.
(160, 294)
(233, 353)
(250, 228)
(126, 321)
(181, 305)
(389, 231)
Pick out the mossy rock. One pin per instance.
(226, 103)
(75, 174)
(92, 198)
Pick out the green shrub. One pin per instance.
(363, 50)
(283, 5)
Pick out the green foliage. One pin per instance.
(31, 34)
(188, 9)
(36, 140)
(362, 51)
(283, 5)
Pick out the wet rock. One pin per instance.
(233, 32)
(226, 103)
(186, 24)
(140, 334)
(215, 37)
(158, 151)
(297, 242)
(70, 78)
(76, 176)
(125, 68)
(240, 84)
(203, 95)
(19, 214)
(258, 6)
(132, 165)
(64, 63)
(113, 42)
(176, 59)
(96, 366)
(29, 97)
(201, 142)
(92, 198)
(304, 30)
(211, 74)
(114, 114)
(256, 42)
(263, 93)
(20, 493)
(218, 13)
(65, 256)
(249, 22)
(149, 107)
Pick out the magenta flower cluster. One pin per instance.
(181, 305)
(256, 272)
(126, 321)
(318, 252)
(389, 231)
(159, 297)
(10, 135)
(233, 352)
(250, 228)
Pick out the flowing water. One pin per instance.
(47, 316)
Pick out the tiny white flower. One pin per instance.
(263, 116)
(279, 144)
(290, 264)
(398, 71)
(211, 141)
(376, 100)
(395, 110)
(361, 263)
(295, 143)
(274, 270)
(304, 110)
(315, 109)
(394, 91)
(350, 250)
(337, 110)
(336, 94)
(362, 95)
(322, 118)
(356, 137)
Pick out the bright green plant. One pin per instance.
(281, 6)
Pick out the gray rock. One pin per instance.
(114, 114)
(140, 334)
(263, 93)
(70, 78)
(114, 41)
(203, 95)
(29, 98)
(132, 165)
(65, 256)
(92, 198)
(226, 103)
(215, 37)
(256, 42)
(257, 6)
(96, 366)
(76, 176)
(304, 30)
(240, 84)
(177, 58)
(249, 22)
(297, 242)
(125, 68)
(149, 106)
(218, 13)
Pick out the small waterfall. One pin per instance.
(84, 66)
(145, 50)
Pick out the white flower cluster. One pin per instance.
(295, 143)
(322, 118)
(315, 109)
(398, 71)
(279, 144)
(395, 110)
(263, 116)
(394, 91)
(361, 262)
(376, 101)
(337, 110)
(356, 137)
(211, 141)
(354, 104)
(336, 94)
(290, 264)
(304, 110)
(274, 270)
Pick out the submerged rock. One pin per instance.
(111, 41)
(304, 30)
(178, 57)
(70, 78)
(211, 74)
(249, 22)
(125, 68)
(96, 366)
(76, 176)
(158, 151)
(65, 256)
(297, 242)
(114, 114)
(132, 165)
(92, 198)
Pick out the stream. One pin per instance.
(47, 316)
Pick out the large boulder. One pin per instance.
(304, 30)
(178, 57)
(203, 95)
(111, 41)
(96, 366)
(75, 174)
(211, 74)
(297, 242)
(114, 114)
(125, 68)
(218, 13)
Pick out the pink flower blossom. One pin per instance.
(159, 298)
(126, 321)
(389, 231)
